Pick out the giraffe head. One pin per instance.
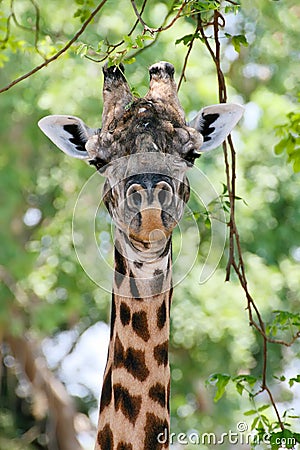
(144, 149)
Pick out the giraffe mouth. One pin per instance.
(154, 246)
(155, 236)
(151, 225)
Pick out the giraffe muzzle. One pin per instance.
(150, 208)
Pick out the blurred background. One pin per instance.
(53, 318)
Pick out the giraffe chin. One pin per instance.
(155, 241)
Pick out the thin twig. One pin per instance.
(235, 259)
(138, 15)
(113, 47)
(182, 75)
(157, 31)
(58, 54)
(7, 32)
(37, 29)
(178, 15)
(137, 21)
(190, 47)
(17, 23)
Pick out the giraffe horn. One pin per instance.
(163, 90)
(116, 95)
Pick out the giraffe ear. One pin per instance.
(215, 122)
(68, 133)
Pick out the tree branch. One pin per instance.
(190, 47)
(46, 386)
(49, 394)
(235, 259)
(58, 54)
(139, 17)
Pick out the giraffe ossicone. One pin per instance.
(143, 149)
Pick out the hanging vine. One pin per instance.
(210, 19)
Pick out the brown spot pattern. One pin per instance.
(138, 264)
(105, 438)
(158, 394)
(118, 353)
(135, 364)
(133, 360)
(140, 325)
(157, 272)
(161, 315)
(112, 315)
(167, 249)
(157, 281)
(170, 297)
(161, 353)
(124, 446)
(156, 430)
(130, 405)
(106, 391)
(125, 314)
(133, 287)
(168, 396)
(120, 266)
(184, 191)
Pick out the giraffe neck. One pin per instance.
(134, 407)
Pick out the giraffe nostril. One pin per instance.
(134, 196)
(162, 196)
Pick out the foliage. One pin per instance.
(44, 291)
(289, 143)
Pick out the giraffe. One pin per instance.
(144, 150)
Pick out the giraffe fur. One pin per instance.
(144, 149)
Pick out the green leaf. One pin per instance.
(296, 165)
(285, 438)
(253, 425)
(239, 40)
(128, 40)
(297, 437)
(263, 407)
(279, 148)
(188, 38)
(249, 379)
(146, 37)
(232, 9)
(82, 50)
(242, 380)
(100, 46)
(207, 223)
(289, 143)
(220, 380)
(239, 388)
(225, 189)
(281, 378)
(185, 39)
(139, 41)
(129, 60)
(265, 420)
(204, 6)
(294, 380)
